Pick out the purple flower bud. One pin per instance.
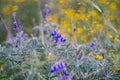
(14, 20)
(19, 26)
(54, 33)
(63, 66)
(46, 16)
(92, 45)
(13, 13)
(58, 35)
(52, 69)
(46, 8)
(15, 27)
(56, 40)
(66, 73)
(63, 39)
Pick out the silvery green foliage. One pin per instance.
(29, 62)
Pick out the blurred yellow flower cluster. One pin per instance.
(117, 69)
(7, 9)
(98, 56)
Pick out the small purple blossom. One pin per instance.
(58, 67)
(17, 26)
(46, 9)
(93, 45)
(57, 36)
(18, 39)
(64, 76)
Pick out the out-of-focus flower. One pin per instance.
(46, 9)
(18, 39)
(62, 2)
(6, 10)
(112, 6)
(15, 8)
(79, 30)
(83, 38)
(92, 13)
(103, 1)
(83, 17)
(52, 18)
(93, 45)
(64, 75)
(65, 22)
(17, 25)
(111, 18)
(109, 34)
(81, 10)
(117, 69)
(98, 56)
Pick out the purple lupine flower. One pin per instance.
(58, 67)
(15, 20)
(46, 9)
(64, 76)
(57, 37)
(63, 66)
(93, 44)
(54, 33)
(63, 39)
(17, 25)
(16, 41)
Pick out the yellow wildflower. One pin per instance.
(97, 27)
(65, 22)
(70, 30)
(112, 6)
(15, 8)
(83, 17)
(103, 1)
(92, 13)
(6, 10)
(63, 1)
(62, 30)
(117, 69)
(98, 56)
(52, 18)
(81, 10)
(111, 18)
(69, 12)
(83, 38)
(109, 34)
(79, 30)
(116, 38)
